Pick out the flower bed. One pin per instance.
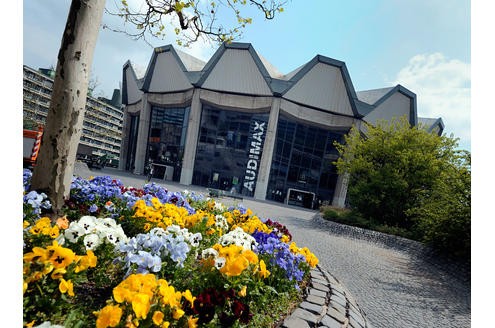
(128, 257)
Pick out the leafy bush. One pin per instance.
(414, 182)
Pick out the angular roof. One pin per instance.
(131, 85)
(376, 97)
(431, 123)
(334, 89)
(372, 96)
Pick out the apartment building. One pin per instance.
(102, 125)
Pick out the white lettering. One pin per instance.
(249, 185)
(254, 152)
(255, 147)
(252, 164)
(257, 136)
(258, 126)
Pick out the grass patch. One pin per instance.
(353, 218)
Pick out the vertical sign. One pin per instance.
(255, 143)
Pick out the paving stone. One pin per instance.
(338, 289)
(314, 308)
(336, 314)
(305, 315)
(294, 322)
(357, 317)
(352, 301)
(338, 299)
(323, 288)
(337, 307)
(320, 281)
(316, 292)
(317, 275)
(331, 278)
(316, 299)
(330, 322)
(355, 324)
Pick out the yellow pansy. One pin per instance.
(158, 317)
(243, 291)
(60, 257)
(263, 272)
(66, 286)
(189, 297)
(38, 254)
(141, 305)
(87, 261)
(192, 322)
(58, 273)
(109, 316)
(177, 313)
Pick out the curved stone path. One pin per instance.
(394, 287)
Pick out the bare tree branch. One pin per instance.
(195, 18)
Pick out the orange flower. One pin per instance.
(62, 222)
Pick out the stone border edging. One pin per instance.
(327, 304)
(414, 248)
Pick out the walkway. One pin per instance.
(393, 287)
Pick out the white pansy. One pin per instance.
(220, 262)
(74, 231)
(239, 238)
(221, 222)
(108, 222)
(91, 241)
(95, 232)
(48, 324)
(194, 239)
(219, 207)
(88, 223)
(209, 253)
(175, 229)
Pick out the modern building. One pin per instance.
(102, 125)
(432, 125)
(237, 124)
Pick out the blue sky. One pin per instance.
(424, 45)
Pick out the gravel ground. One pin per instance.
(395, 288)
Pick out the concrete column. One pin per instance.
(142, 139)
(124, 142)
(340, 191)
(191, 139)
(268, 148)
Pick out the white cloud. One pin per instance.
(443, 89)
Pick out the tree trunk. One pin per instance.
(55, 164)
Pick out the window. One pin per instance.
(226, 140)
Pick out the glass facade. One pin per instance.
(131, 147)
(167, 138)
(302, 172)
(229, 150)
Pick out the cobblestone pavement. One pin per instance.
(394, 288)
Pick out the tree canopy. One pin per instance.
(407, 177)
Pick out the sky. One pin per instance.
(424, 45)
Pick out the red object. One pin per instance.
(33, 138)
